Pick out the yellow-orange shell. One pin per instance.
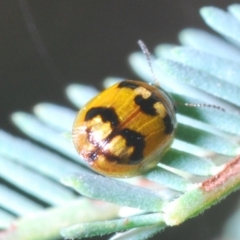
(124, 131)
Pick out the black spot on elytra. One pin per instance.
(168, 124)
(147, 105)
(135, 140)
(128, 84)
(106, 114)
(92, 156)
(112, 158)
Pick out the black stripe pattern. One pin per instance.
(132, 138)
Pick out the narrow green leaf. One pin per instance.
(206, 140)
(207, 42)
(188, 162)
(201, 80)
(79, 94)
(234, 9)
(222, 22)
(28, 154)
(107, 227)
(204, 195)
(138, 233)
(32, 183)
(168, 179)
(111, 190)
(221, 68)
(47, 224)
(35, 129)
(51, 113)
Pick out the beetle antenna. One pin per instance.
(148, 57)
(205, 105)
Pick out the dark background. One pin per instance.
(45, 45)
(79, 41)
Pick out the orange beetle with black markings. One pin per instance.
(125, 130)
